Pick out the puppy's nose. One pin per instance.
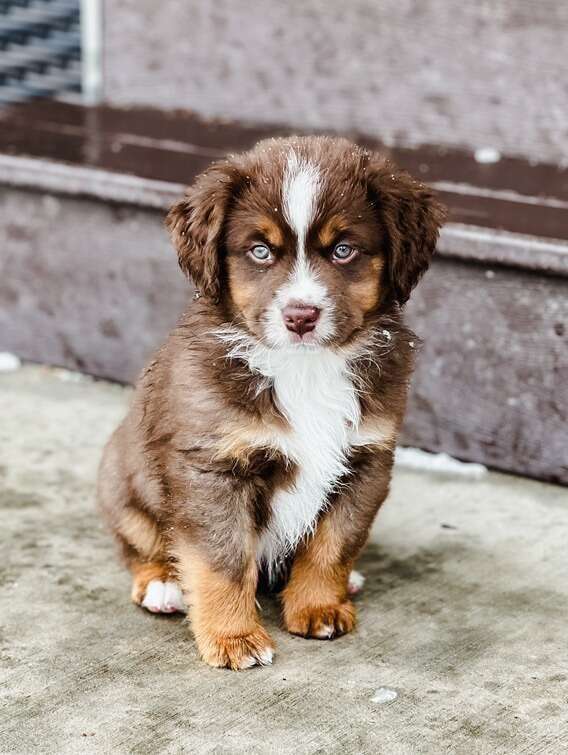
(300, 318)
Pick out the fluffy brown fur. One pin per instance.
(190, 480)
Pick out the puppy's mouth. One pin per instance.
(299, 322)
(308, 339)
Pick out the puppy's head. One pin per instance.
(302, 240)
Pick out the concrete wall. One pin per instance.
(491, 383)
(442, 71)
(85, 285)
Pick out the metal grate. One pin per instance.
(40, 49)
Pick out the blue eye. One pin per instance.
(343, 253)
(260, 253)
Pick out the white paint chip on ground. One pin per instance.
(9, 362)
(422, 461)
(384, 695)
(69, 376)
(487, 155)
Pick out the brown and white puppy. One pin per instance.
(260, 439)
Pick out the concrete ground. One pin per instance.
(463, 619)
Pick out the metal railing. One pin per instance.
(40, 49)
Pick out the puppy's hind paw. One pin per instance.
(163, 597)
(356, 582)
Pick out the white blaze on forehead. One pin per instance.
(300, 191)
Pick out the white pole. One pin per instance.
(91, 51)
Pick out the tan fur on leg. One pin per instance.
(223, 613)
(315, 599)
(141, 532)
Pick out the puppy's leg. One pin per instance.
(316, 599)
(223, 611)
(137, 533)
(154, 584)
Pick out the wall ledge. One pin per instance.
(487, 246)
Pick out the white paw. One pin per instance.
(263, 658)
(356, 582)
(163, 597)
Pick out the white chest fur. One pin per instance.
(315, 393)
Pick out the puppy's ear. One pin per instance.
(196, 225)
(411, 217)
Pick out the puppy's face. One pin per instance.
(303, 240)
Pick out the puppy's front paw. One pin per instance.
(321, 622)
(237, 653)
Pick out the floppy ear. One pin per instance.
(196, 225)
(411, 217)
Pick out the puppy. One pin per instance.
(260, 439)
